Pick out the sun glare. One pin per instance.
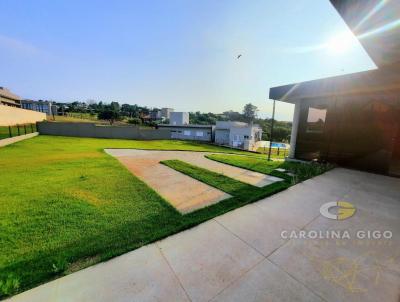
(339, 44)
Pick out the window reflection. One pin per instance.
(316, 120)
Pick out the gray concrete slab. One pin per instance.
(337, 272)
(352, 269)
(297, 205)
(141, 275)
(207, 259)
(266, 282)
(8, 141)
(259, 228)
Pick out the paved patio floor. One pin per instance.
(241, 256)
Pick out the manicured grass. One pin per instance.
(242, 192)
(301, 171)
(66, 204)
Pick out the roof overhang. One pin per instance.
(385, 79)
(6, 94)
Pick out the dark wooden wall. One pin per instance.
(360, 131)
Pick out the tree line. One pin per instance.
(138, 115)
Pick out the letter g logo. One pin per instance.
(345, 210)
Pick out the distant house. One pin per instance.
(11, 112)
(353, 119)
(190, 132)
(155, 114)
(237, 134)
(179, 118)
(165, 112)
(8, 98)
(41, 106)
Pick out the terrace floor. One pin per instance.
(241, 256)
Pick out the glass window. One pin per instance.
(187, 132)
(316, 120)
(199, 133)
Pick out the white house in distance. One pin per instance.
(237, 134)
(179, 118)
(166, 112)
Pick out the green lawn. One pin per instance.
(275, 153)
(301, 171)
(4, 132)
(65, 204)
(242, 193)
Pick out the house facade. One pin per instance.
(8, 98)
(237, 134)
(179, 118)
(190, 132)
(41, 106)
(165, 112)
(155, 115)
(354, 119)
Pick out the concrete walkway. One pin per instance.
(198, 159)
(241, 256)
(8, 141)
(185, 193)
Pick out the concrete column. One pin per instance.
(295, 127)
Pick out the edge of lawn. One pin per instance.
(63, 260)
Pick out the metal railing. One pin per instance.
(276, 152)
(16, 130)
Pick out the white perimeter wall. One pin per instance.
(11, 116)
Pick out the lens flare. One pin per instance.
(387, 27)
(339, 44)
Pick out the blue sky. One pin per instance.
(179, 54)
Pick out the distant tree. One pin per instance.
(115, 106)
(250, 112)
(232, 116)
(203, 118)
(151, 124)
(91, 102)
(282, 129)
(130, 110)
(135, 121)
(144, 110)
(109, 115)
